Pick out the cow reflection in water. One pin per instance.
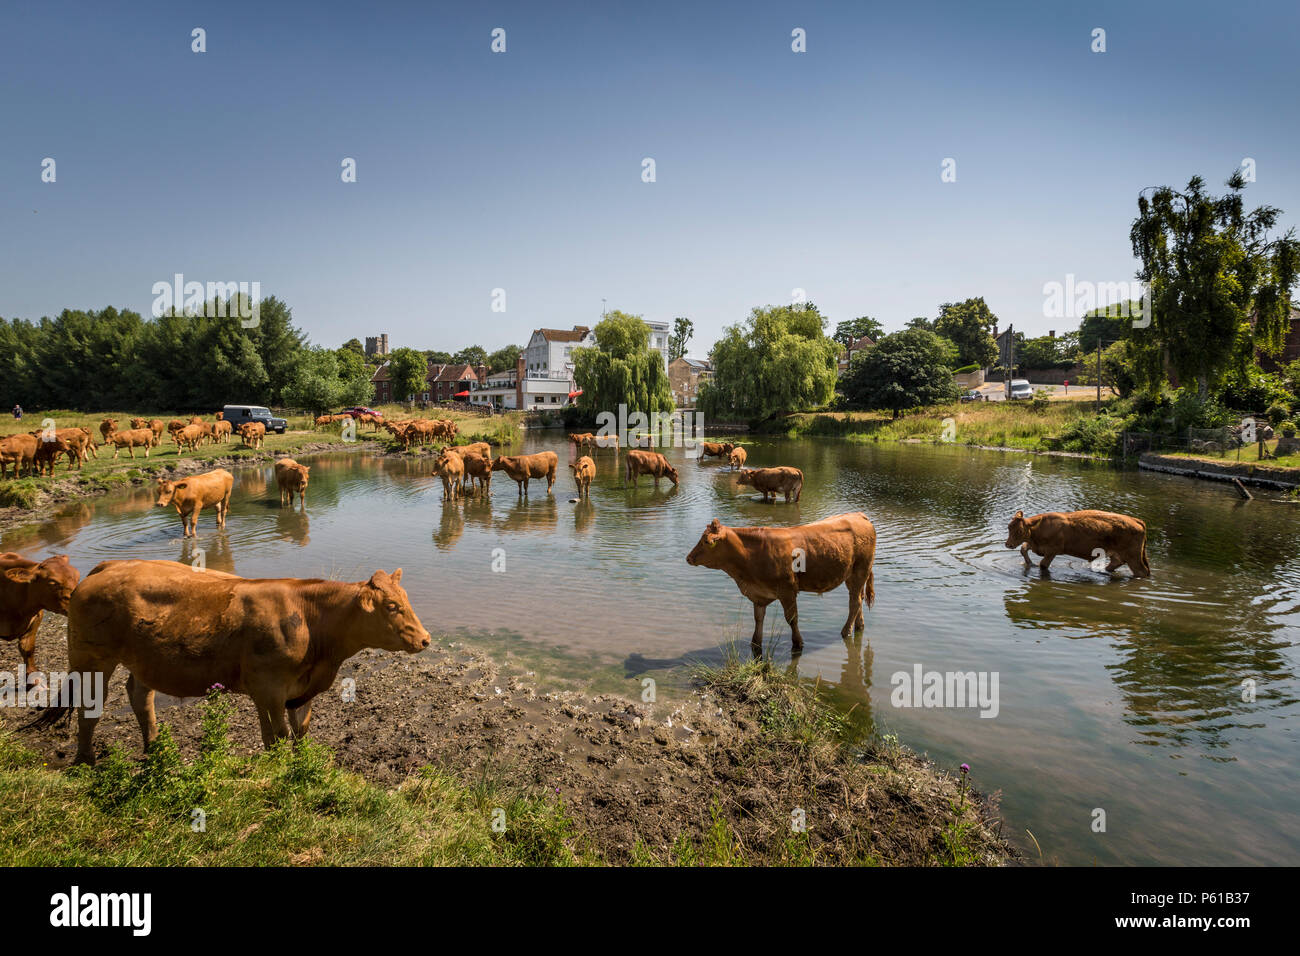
(451, 525)
(293, 525)
(541, 514)
(584, 513)
(209, 552)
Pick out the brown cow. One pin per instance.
(48, 451)
(478, 473)
(292, 477)
(195, 420)
(78, 441)
(139, 423)
(649, 463)
(188, 436)
(21, 451)
(773, 481)
(189, 495)
(181, 631)
(253, 433)
(452, 469)
(1082, 534)
(27, 590)
(712, 449)
(221, 430)
(737, 457)
(220, 416)
(584, 470)
(583, 440)
(131, 439)
(775, 564)
(522, 468)
(157, 426)
(107, 426)
(481, 448)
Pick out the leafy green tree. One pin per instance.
(970, 325)
(849, 331)
(777, 360)
(354, 345)
(474, 355)
(905, 370)
(1043, 352)
(1220, 286)
(321, 382)
(920, 322)
(438, 358)
(504, 359)
(683, 330)
(1118, 368)
(350, 364)
(408, 371)
(1097, 325)
(621, 369)
(278, 343)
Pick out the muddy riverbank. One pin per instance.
(640, 780)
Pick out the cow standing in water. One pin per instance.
(775, 564)
(281, 641)
(1082, 534)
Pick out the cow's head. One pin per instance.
(706, 552)
(1017, 531)
(166, 490)
(304, 471)
(499, 464)
(670, 472)
(391, 623)
(50, 584)
(728, 447)
(745, 476)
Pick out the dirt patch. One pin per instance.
(638, 779)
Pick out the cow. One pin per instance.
(189, 495)
(221, 430)
(195, 420)
(522, 468)
(649, 463)
(480, 448)
(773, 481)
(219, 416)
(322, 421)
(292, 477)
(1082, 534)
(48, 450)
(775, 564)
(478, 472)
(20, 450)
(139, 423)
(452, 469)
(78, 441)
(737, 457)
(106, 427)
(584, 470)
(712, 449)
(253, 433)
(280, 641)
(175, 425)
(187, 436)
(27, 590)
(583, 440)
(131, 439)
(156, 425)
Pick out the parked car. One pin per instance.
(1020, 388)
(974, 395)
(362, 410)
(240, 414)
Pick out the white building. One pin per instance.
(659, 334)
(548, 366)
(499, 389)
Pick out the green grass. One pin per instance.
(290, 805)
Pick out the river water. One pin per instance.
(1120, 701)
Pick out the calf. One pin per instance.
(187, 436)
(522, 468)
(584, 470)
(478, 470)
(280, 641)
(452, 469)
(292, 478)
(773, 481)
(253, 433)
(649, 463)
(775, 564)
(27, 590)
(712, 449)
(1082, 534)
(106, 427)
(221, 430)
(737, 457)
(189, 495)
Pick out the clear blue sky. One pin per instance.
(522, 170)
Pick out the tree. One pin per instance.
(920, 322)
(1118, 368)
(474, 355)
(621, 369)
(1097, 325)
(1043, 352)
(354, 345)
(438, 358)
(905, 370)
(971, 326)
(683, 329)
(316, 385)
(778, 360)
(277, 342)
(849, 331)
(504, 359)
(408, 371)
(1220, 287)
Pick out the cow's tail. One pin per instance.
(798, 488)
(1146, 565)
(56, 712)
(869, 589)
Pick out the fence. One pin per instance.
(1224, 442)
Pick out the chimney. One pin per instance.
(519, 382)
(481, 372)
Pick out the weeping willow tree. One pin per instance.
(622, 369)
(778, 360)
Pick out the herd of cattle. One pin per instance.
(282, 641)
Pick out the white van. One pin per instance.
(1020, 388)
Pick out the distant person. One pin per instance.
(18, 413)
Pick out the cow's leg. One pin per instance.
(27, 648)
(790, 606)
(1024, 553)
(299, 720)
(194, 519)
(1047, 560)
(855, 609)
(760, 612)
(271, 715)
(1115, 563)
(96, 676)
(142, 703)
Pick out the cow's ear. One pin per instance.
(397, 576)
(715, 525)
(21, 575)
(1019, 515)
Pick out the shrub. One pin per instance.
(1277, 413)
(1288, 429)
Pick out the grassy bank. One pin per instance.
(1032, 426)
(781, 752)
